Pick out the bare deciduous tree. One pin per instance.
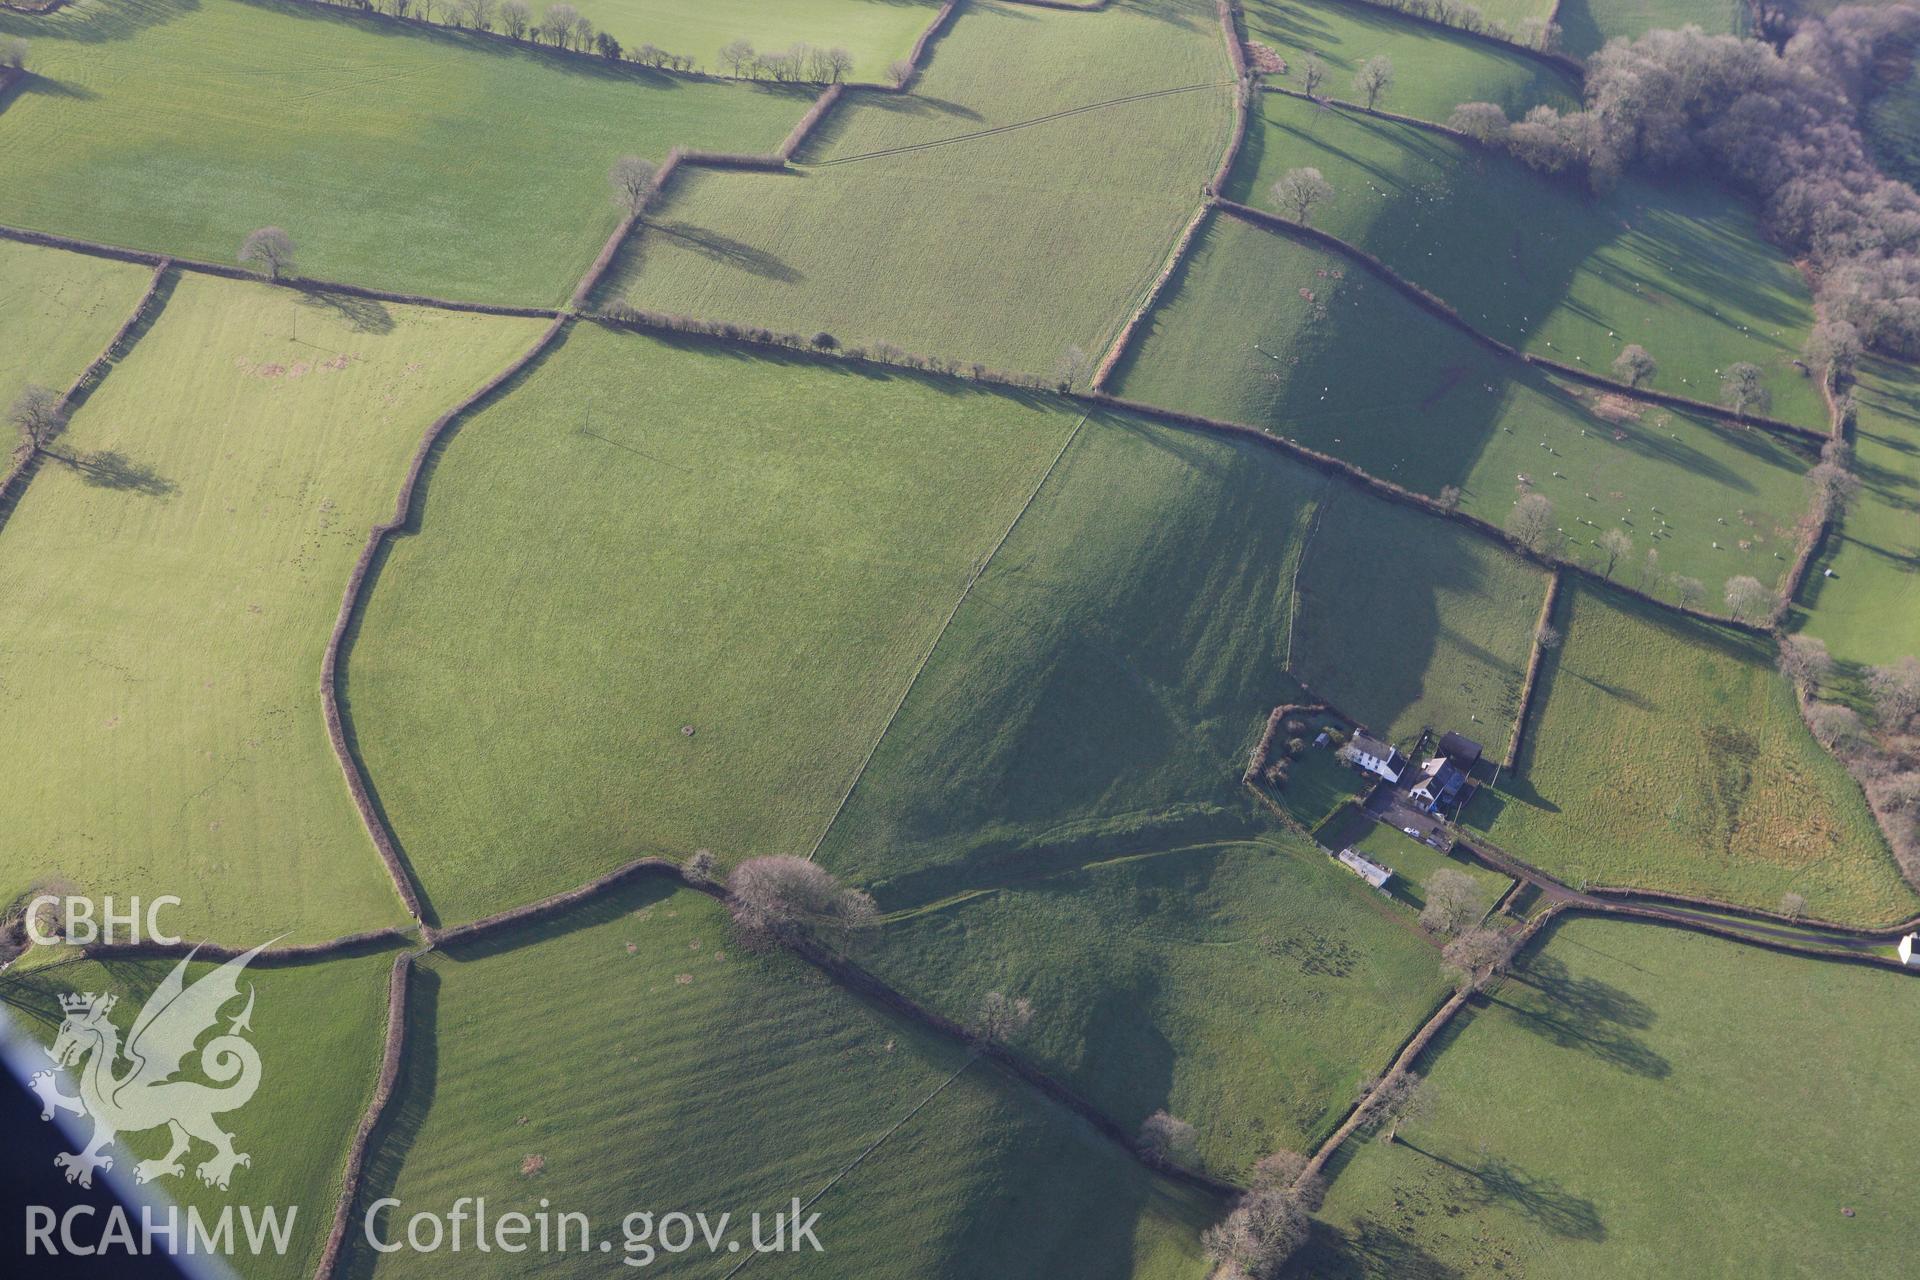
(1167, 1139)
(556, 24)
(1453, 902)
(1838, 728)
(632, 179)
(1549, 636)
(899, 72)
(1266, 1228)
(268, 251)
(1385, 1105)
(514, 17)
(839, 63)
(1001, 1018)
(1742, 390)
(1688, 591)
(1531, 522)
(1793, 905)
(13, 53)
(1747, 596)
(699, 868)
(1313, 74)
(1805, 661)
(1477, 956)
(1298, 190)
(1834, 488)
(1482, 121)
(1896, 692)
(1450, 497)
(780, 896)
(1634, 366)
(1614, 543)
(1374, 78)
(36, 412)
(1072, 369)
(1833, 348)
(737, 54)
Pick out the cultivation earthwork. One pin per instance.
(880, 612)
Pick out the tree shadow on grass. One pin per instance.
(362, 315)
(1584, 1013)
(95, 23)
(111, 469)
(1369, 1250)
(1542, 1200)
(725, 250)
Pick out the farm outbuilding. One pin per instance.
(1909, 950)
(1367, 869)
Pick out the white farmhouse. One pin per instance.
(1374, 756)
(1909, 950)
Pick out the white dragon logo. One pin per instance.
(145, 1095)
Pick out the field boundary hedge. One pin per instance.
(27, 459)
(1837, 418)
(269, 957)
(772, 161)
(917, 59)
(1444, 310)
(1890, 933)
(640, 321)
(1123, 341)
(1535, 660)
(1558, 61)
(848, 974)
(1410, 1052)
(303, 284)
(350, 766)
(390, 1062)
(1379, 113)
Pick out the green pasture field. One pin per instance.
(703, 1078)
(1868, 612)
(1408, 622)
(1538, 263)
(1248, 988)
(1640, 1101)
(1414, 862)
(674, 592)
(1434, 71)
(173, 576)
(1098, 691)
(57, 310)
(1586, 25)
(441, 163)
(1667, 754)
(875, 32)
(1268, 330)
(982, 217)
(1032, 1190)
(319, 1029)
